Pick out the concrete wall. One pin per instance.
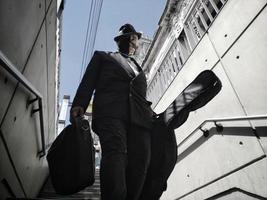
(28, 40)
(231, 164)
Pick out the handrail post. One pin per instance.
(205, 132)
(219, 127)
(42, 128)
(30, 101)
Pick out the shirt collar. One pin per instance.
(125, 55)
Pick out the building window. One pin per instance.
(205, 16)
(210, 8)
(174, 65)
(178, 58)
(195, 28)
(184, 46)
(200, 18)
(218, 3)
(200, 23)
(190, 35)
(175, 59)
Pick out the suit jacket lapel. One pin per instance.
(123, 64)
(138, 66)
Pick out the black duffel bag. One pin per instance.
(197, 94)
(71, 158)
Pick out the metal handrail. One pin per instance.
(9, 67)
(226, 119)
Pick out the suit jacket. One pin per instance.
(117, 90)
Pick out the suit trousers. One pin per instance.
(125, 159)
(139, 155)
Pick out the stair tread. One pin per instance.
(89, 193)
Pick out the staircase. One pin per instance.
(89, 193)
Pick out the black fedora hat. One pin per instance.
(127, 29)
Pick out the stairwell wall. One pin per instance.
(28, 39)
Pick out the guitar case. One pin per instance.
(163, 141)
(196, 95)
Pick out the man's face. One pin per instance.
(128, 44)
(133, 43)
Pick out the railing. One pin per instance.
(219, 127)
(197, 22)
(11, 69)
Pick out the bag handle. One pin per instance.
(83, 123)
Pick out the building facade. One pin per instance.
(29, 82)
(143, 46)
(229, 38)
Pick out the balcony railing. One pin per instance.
(196, 24)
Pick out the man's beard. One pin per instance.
(125, 45)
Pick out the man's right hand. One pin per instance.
(75, 112)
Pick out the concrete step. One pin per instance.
(89, 193)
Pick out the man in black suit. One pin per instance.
(122, 116)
